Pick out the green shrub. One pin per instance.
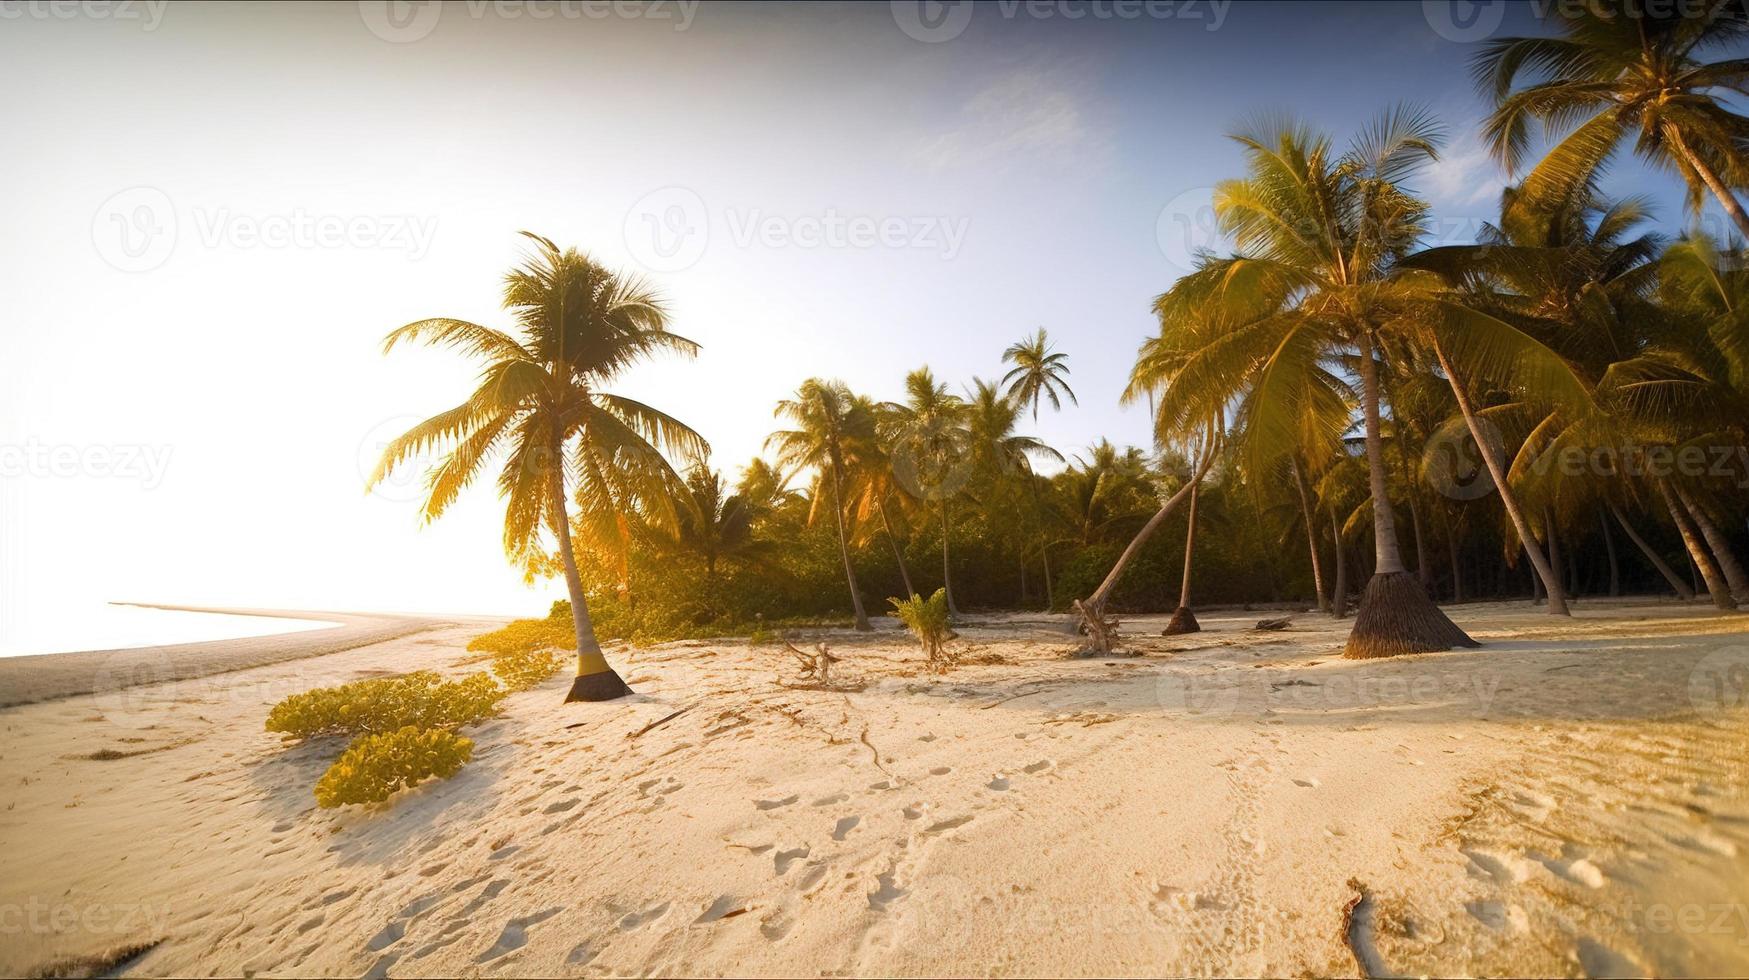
(521, 671)
(375, 767)
(927, 620)
(528, 635)
(421, 699)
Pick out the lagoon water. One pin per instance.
(107, 626)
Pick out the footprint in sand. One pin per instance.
(831, 800)
(913, 812)
(579, 955)
(811, 875)
(774, 804)
(562, 805)
(380, 969)
(886, 894)
(776, 925)
(1037, 767)
(999, 783)
(504, 852)
(389, 935)
(845, 825)
(783, 859)
(1309, 782)
(515, 934)
(633, 920)
(725, 907)
(942, 826)
(486, 895)
(940, 771)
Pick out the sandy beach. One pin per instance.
(1569, 799)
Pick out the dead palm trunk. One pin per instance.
(1682, 588)
(1395, 614)
(1721, 547)
(1044, 551)
(1715, 582)
(1183, 620)
(595, 680)
(899, 556)
(1497, 471)
(1091, 611)
(861, 617)
(1311, 536)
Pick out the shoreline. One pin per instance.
(40, 677)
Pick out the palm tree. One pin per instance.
(874, 489)
(931, 453)
(1037, 373)
(712, 524)
(540, 403)
(825, 418)
(1618, 69)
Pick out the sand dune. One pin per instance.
(1569, 799)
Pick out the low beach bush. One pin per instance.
(375, 767)
(421, 699)
(525, 669)
(525, 636)
(927, 619)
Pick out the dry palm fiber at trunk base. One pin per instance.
(1183, 621)
(1396, 616)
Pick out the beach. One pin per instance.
(1568, 799)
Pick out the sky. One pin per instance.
(215, 213)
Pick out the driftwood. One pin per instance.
(816, 672)
(665, 719)
(1101, 629)
(1267, 625)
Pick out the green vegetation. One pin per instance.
(1342, 407)
(371, 707)
(375, 767)
(927, 619)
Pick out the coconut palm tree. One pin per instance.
(932, 453)
(875, 497)
(826, 418)
(541, 404)
(712, 524)
(1037, 373)
(1618, 69)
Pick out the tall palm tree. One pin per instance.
(875, 497)
(826, 418)
(541, 404)
(932, 453)
(1037, 373)
(713, 524)
(1617, 69)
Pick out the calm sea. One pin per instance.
(101, 626)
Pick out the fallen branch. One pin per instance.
(665, 719)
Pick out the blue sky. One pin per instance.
(815, 190)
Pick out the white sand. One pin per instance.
(1562, 801)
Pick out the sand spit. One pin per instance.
(1570, 799)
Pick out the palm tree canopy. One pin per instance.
(540, 404)
(1038, 372)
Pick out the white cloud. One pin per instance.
(1031, 113)
(1465, 176)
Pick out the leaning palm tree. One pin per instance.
(1037, 373)
(1618, 69)
(826, 418)
(540, 404)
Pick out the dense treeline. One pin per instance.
(1342, 416)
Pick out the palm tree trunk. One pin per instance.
(1183, 620)
(1726, 199)
(1664, 569)
(1556, 564)
(1451, 550)
(595, 680)
(1721, 547)
(1715, 582)
(946, 573)
(1338, 595)
(861, 617)
(1311, 535)
(898, 555)
(1497, 470)
(1045, 552)
(1395, 614)
(1614, 563)
(1091, 610)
